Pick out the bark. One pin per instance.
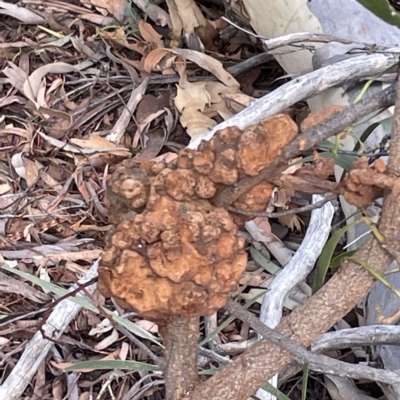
(182, 335)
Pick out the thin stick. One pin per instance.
(37, 349)
(318, 362)
(308, 139)
(309, 207)
(302, 88)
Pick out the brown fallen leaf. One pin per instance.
(105, 7)
(25, 168)
(96, 142)
(150, 35)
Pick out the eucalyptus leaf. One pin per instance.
(326, 256)
(365, 135)
(263, 262)
(112, 364)
(337, 261)
(345, 161)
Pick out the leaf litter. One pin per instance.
(85, 85)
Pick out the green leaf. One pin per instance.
(383, 10)
(327, 144)
(275, 392)
(337, 261)
(366, 134)
(325, 258)
(112, 364)
(84, 302)
(263, 262)
(325, 154)
(387, 125)
(210, 371)
(345, 161)
(304, 383)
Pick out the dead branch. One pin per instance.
(37, 348)
(303, 37)
(321, 311)
(302, 88)
(291, 211)
(318, 362)
(372, 335)
(339, 121)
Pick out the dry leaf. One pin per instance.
(108, 341)
(102, 327)
(115, 8)
(186, 15)
(118, 36)
(191, 96)
(147, 325)
(161, 60)
(20, 13)
(100, 144)
(150, 35)
(32, 84)
(210, 64)
(16, 75)
(3, 341)
(195, 122)
(292, 221)
(25, 168)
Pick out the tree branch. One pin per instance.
(334, 300)
(181, 340)
(339, 121)
(319, 362)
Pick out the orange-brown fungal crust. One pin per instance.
(171, 251)
(261, 144)
(365, 184)
(317, 117)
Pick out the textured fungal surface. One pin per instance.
(171, 252)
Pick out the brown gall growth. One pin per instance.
(171, 252)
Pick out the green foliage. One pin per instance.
(263, 262)
(325, 259)
(112, 364)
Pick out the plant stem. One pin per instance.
(181, 337)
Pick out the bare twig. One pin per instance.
(318, 362)
(394, 157)
(159, 361)
(214, 356)
(305, 141)
(37, 349)
(371, 335)
(302, 88)
(119, 128)
(297, 269)
(298, 210)
(302, 37)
